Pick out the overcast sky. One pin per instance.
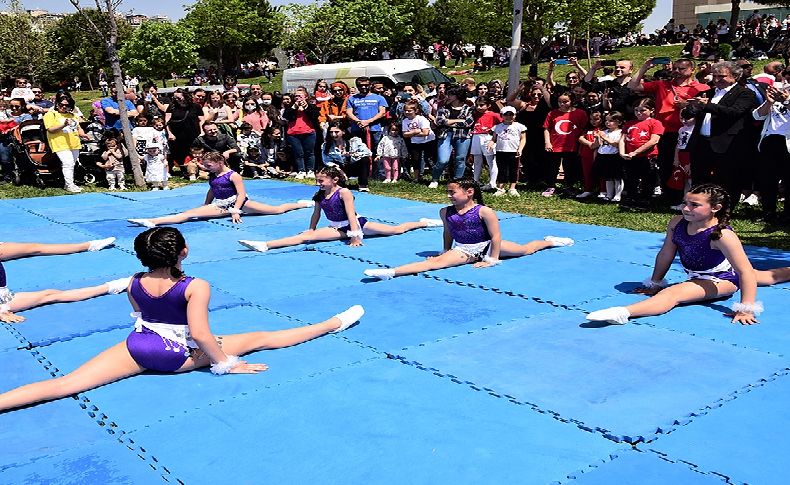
(175, 8)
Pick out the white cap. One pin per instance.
(507, 109)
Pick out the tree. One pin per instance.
(156, 49)
(343, 27)
(474, 21)
(22, 48)
(109, 36)
(231, 31)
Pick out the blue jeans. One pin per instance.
(446, 146)
(303, 149)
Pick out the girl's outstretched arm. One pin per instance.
(491, 222)
(315, 217)
(446, 236)
(353, 222)
(664, 260)
(209, 197)
(731, 246)
(241, 196)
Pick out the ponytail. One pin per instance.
(467, 183)
(160, 247)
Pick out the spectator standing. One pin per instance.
(454, 127)
(302, 133)
(63, 137)
(561, 131)
(532, 103)
(183, 119)
(365, 112)
(112, 116)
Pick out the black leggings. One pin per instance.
(507, 164)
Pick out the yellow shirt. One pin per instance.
(67, 138)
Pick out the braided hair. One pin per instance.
(716, 196)
(467, 183)
(331, 172)
(159, 247)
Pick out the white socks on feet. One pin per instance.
(142, 222)
(432, 222)
(99, 244)
(617, 314)
(259, 246)
(382, 274)
(306, 202)
(348, 317)
(118, 286)
(559, 241)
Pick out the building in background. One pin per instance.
(693, 12)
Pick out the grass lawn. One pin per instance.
(530, 203)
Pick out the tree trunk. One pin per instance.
(115, 64)
(734, 14)
(221, 65)
(164, 82)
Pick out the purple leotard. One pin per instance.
(223, 190)
(3, 281)
(467, 228)
(335, 211)
(5, 294)
(699, 259)
(148, 348)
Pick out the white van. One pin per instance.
(390, 72)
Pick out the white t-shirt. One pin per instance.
(419, 122)
(508, 137)
(607, 148)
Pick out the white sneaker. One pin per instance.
(118, 286)
(300, 175)
(559, 241)
(603, 195)
(751, 200)
(382, 274)
(616, 314)
(192, 178)
(584, 195)
(387, 181)
(499, 192)
(306, 202)
(154, 189)
(615, 199)
(259, 246)
(348, 317)
(657, 192)
(166, 187)
(73, 189)
(99, 244)
(142, 222)
(514, 193)
(111, 189)
(310, 174)
(433, 185)
(121, 187)
(364, 189)
(432, 222)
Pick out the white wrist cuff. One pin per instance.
(755, 308)
(649, 283)
(234, 210)
(491, 261)
(220, 368)
(5, 308)
(360, 234)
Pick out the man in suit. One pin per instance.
(716, 144)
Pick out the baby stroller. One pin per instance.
(86, 168)
(34, 162)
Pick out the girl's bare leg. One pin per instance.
(322, 234)
(379, 229)
(25, 300)
(257, 208)
(772, 276)
(111, 365)
(14, 250)
(446, 260)
(513, 250)
(686, 292)
(244, 343)
(204, 212)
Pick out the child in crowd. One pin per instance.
(561, 132)
(417, 129)
(254, 164)
(587, 151)
(273, 147)
(352, 155)
(471, 235)
(142, 135)
(156, 172)
(337, 202)
(172, 332)
(160, 135)
(713, 258)
(113, 164)
(508, 140)
(639, 149)
(485, 121)
(681, 174)
(608, 163)
(11, 302)
(192, 162)
(247, 139)
(226, 196)
(391, 150)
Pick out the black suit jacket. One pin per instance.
(728, 118)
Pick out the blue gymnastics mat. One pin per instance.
(459, 375)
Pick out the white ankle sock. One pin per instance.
(432, 222)
(559, 241)
(348, 317)
(306, 202)
(259, 246)
(382, 274)
(99, 244)
(142, 222)
(118, 286)
(617, 314)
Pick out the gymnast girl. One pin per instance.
(713, 258)
(337, 202)
(11, 302)
(226, 195)
(471, 235)
(172, 332)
